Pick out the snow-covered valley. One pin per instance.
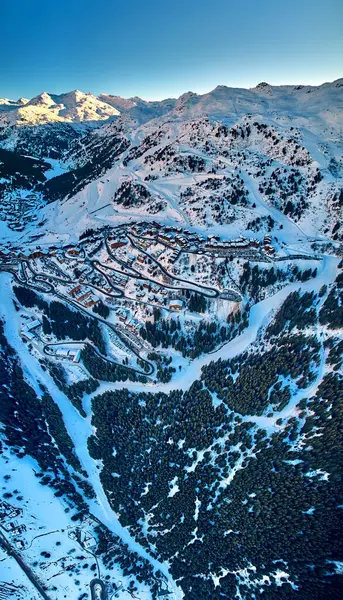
(172, 345)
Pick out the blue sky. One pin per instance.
(161, 48)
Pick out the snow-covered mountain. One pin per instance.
(297, 101)
(171, 345)
(73, 107)
(211, 158)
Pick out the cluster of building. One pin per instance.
(151, 291)
(30, 330)
(18, 211)
(142, 260)
(63, 352)
(180, 240)
(124, 316)
(83, 537)
(8, 254)
(118, 279)
(83, 295)
(267, 245)
(116, 341)
(7, 515)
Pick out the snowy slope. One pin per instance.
(250, 174)
(236, 192)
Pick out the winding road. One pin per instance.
(98, 590)
(50, 289)
(199, 288)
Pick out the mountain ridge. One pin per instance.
(77, 107)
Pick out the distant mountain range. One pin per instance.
(78, 107)
(281, 145)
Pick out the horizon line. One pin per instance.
(161, 99)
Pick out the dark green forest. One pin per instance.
(245, 497)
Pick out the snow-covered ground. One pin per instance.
(78, 428)
(173, 151)
(49, 529)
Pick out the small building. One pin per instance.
(118, 244)
(75, 355)
(62, 352)
(28, 335)
(175, 305)
(33, 325)
(74, 290)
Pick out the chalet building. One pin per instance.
(36, 254)
(74, 290)
(118, 244)
(132, 324)
(175, 305)
(83, 297)
(269, 249)
(122, 314)
(91, 301)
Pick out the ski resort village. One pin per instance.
(137, 282)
